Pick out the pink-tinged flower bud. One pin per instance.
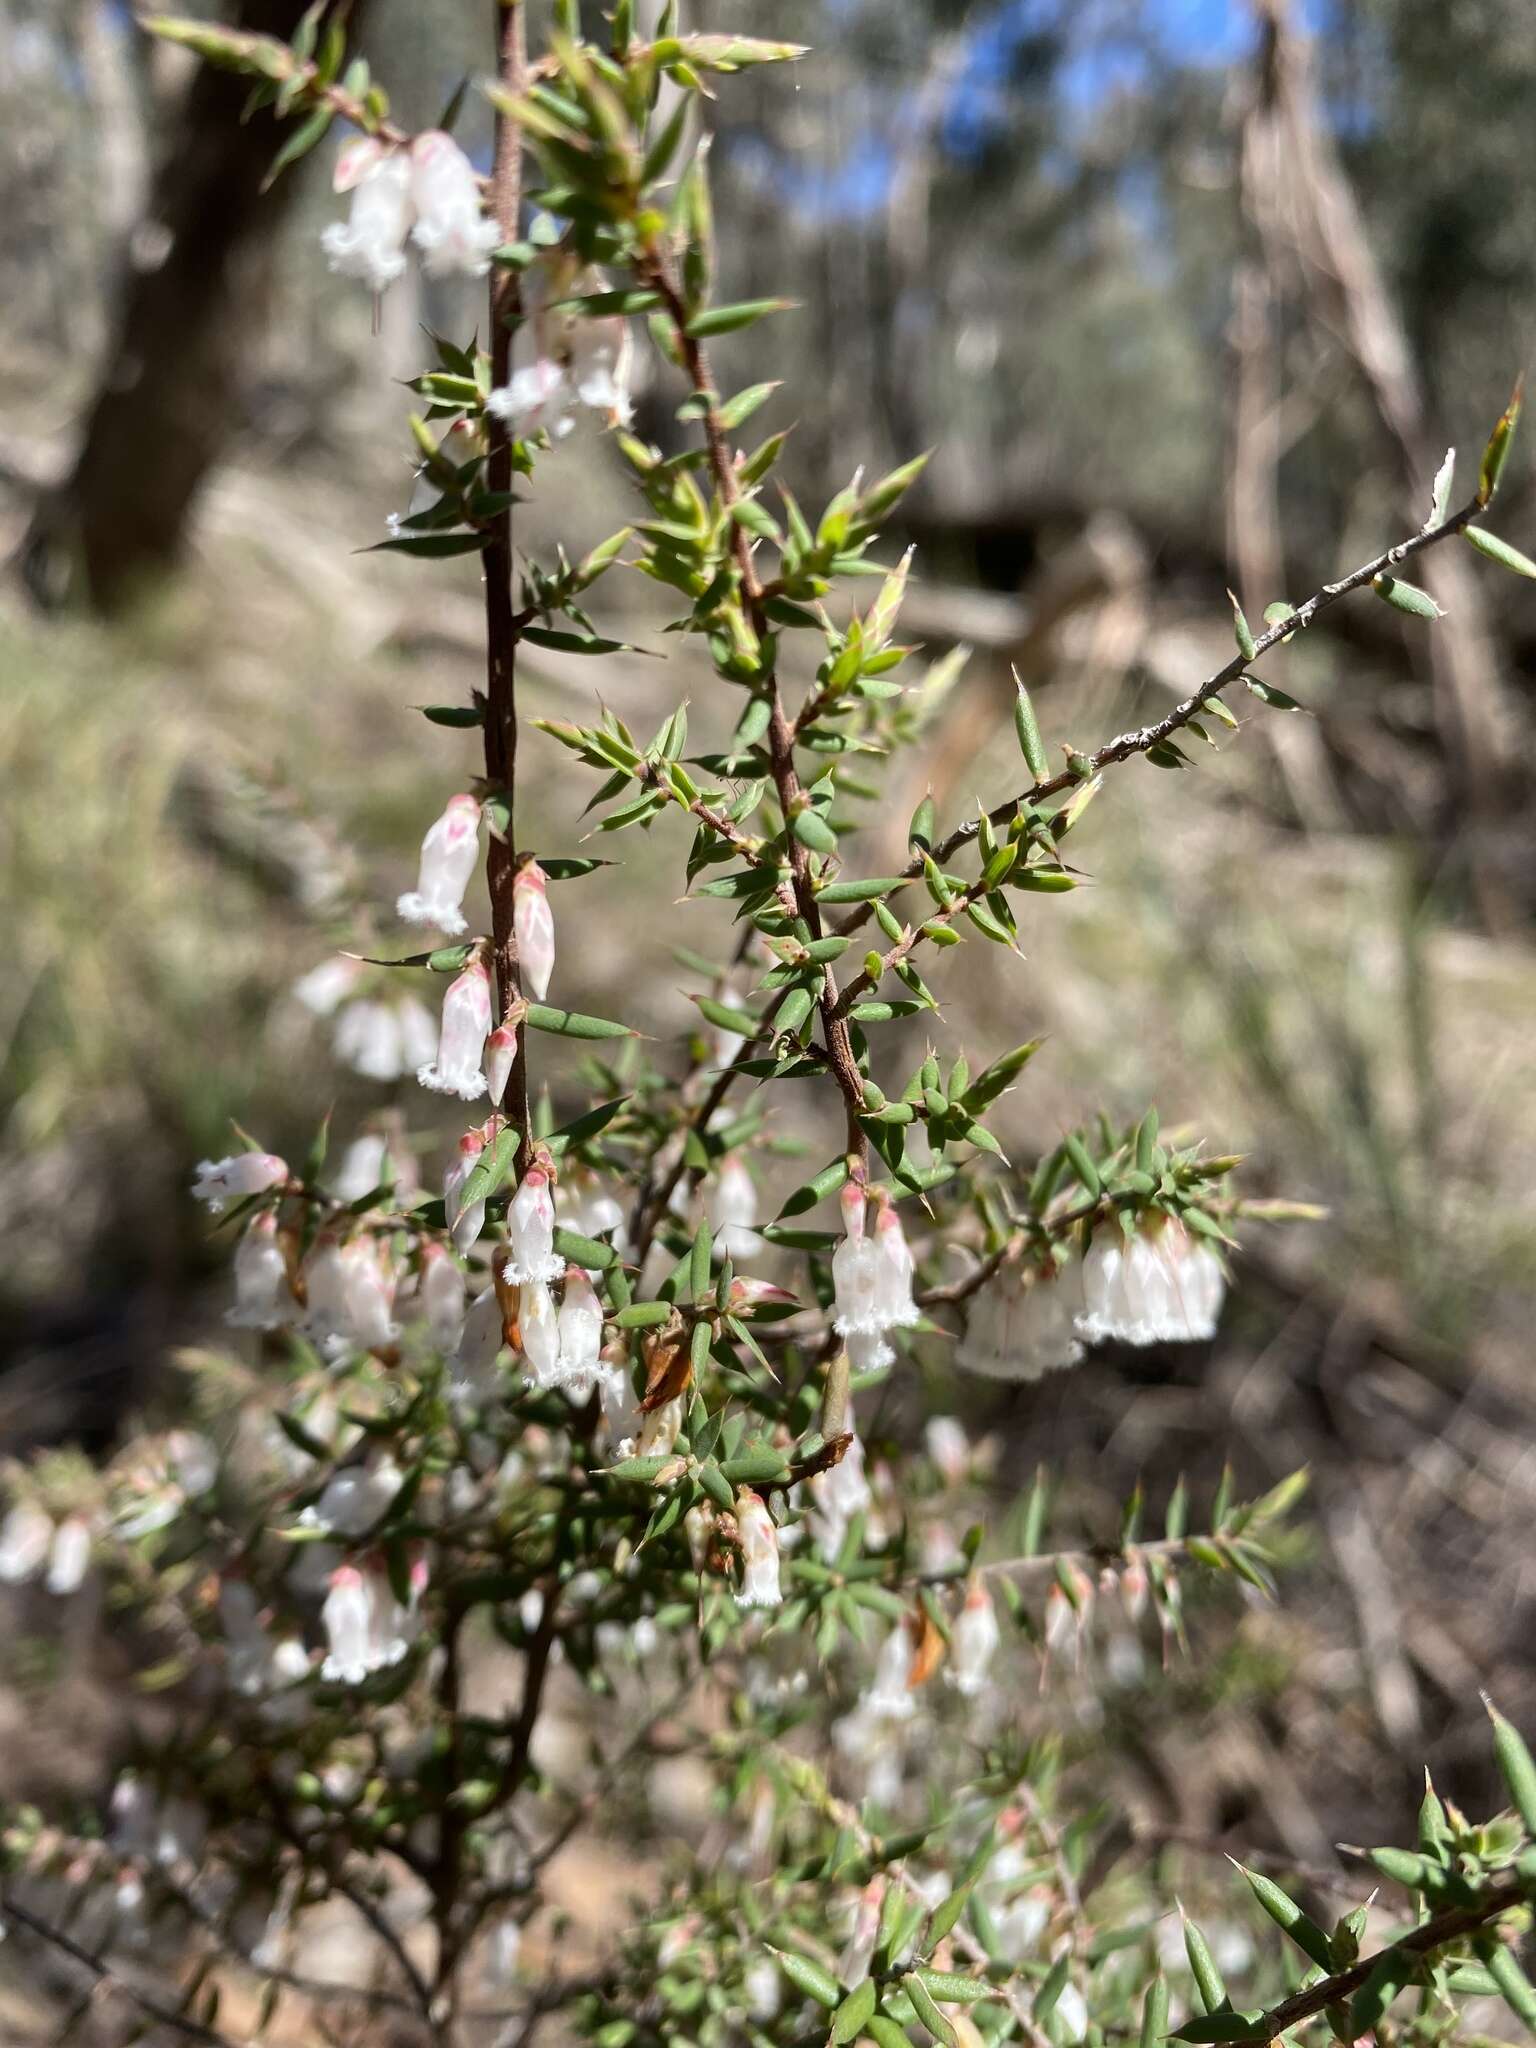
(370, 244)
(759, 1552)
(531, 1231)
(538, 1329)
(947, 1444)
(220, 1181)
(749, 1293)
(453, 230)
(26, 1536)
(1134, 1586)
(973, 1641)
(732, 1203)
(69, 1558)
(500, 1052)
(442, 1298)
(865, 1932)
(660, 1429)
(466, 1021)
(263, 1298)
(370, 1295)
(464, 1224)
(533, 926)
(448, 857)
(581, 1336)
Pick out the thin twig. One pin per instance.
(104, 1974)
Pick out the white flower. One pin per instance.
(839, 1494)
(263, 1298)
(973, 1641)
(593, 1210)
(418, 1034)
(370, 1295)
(889, 1694)
(600, 368)
(464, 1223)
(581, 1336)
(348, 1621)
(531, 1231)
(855, 1271)
(1160, 1286)
(367, 1039)
(472, 1376)
(453, 231)
(69, 1557)
(893, 1274)
(26, 1536)
(536, 395)
(370, 244)
(220, 1181)
(448, 857)
(759, 1552)
(732, 1203)
(325, 987)
(533, 926)
(1020, 1323)
(500, 1053)
(466, 1022)
(442, 1298)
(660, 1429)
(364, 1166)
(325, 1292)
(538, 1329)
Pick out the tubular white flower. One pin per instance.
(441, 1294)
(464, 1223)
(732, 1203)
(326, 986)
(839, 1494)
(538, 1329)
(418, 1034)
(69, 1556)
(888, 1695)
(453, 230)
(370, 243)
(533, 926)
(370, 1295)
(1020, 1324)
(759, 1552)
(973, 1640)
(263, 1298)
(473, 1374)
(536, 395)
(325, 1292)
(348, 1621)
(366, 1038)
(592, 1209)
(855, 1271)
(946, 1442)
(660, 1429)
(1160, 1286)
(500, 1053)
(466, 1023)
(893, 1278)
(531, 1231)
(448, 857)
(220, 1181)
(26, 1536)
(601, 355)
(363, 1167)
(581, 1336)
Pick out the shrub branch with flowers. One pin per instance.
(589, 1421)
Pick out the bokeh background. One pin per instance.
(1185, 294)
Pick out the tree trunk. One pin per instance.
(170, 395)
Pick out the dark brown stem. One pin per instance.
(1141, 739)
(501, 628)
(104, 1976)
(781, 734)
